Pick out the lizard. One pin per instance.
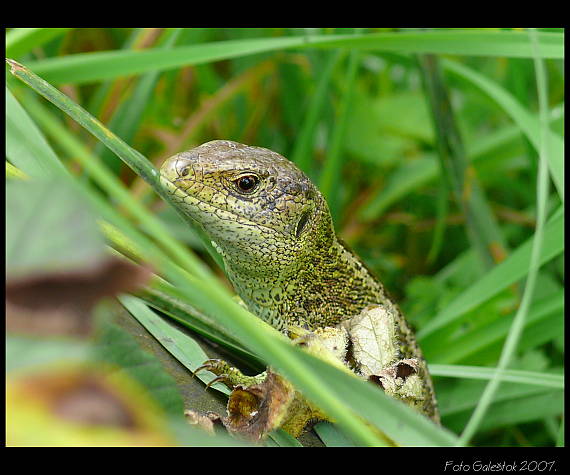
(275, 233)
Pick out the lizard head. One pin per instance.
(256, 206)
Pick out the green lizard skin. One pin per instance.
(275, 233)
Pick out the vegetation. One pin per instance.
(440, 153)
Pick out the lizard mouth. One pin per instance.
(201, 210)
(194, 205)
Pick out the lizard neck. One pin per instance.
(322, 288)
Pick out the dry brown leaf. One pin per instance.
(61, 303)
(255, 411)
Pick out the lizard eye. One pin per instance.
(246, 183)
(185, 171)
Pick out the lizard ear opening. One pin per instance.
(302, 222)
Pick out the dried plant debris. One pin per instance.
(81, 405)
(376, 355)
(206, 422)
(271, 402)
(61, 303)
(256, 410)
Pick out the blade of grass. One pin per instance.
(442, 209)
(516, 411)
(482, 229)
(133, 158)
(20, 41)
(282, 439)
(35, 158)
(512, 269)
(89, 67)
(330, 180)
(13, 172)
(481, 338)
(184, 348)
(411, 175)
(302, 153)
(529, 125)
(331, 436)
(555, 381)
(128, 116)
(560, 440)
(542, 197)
(462, 395)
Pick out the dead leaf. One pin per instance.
(205, 422)
(374, 339)
(61, 303)
(81, 405)
(255, 411)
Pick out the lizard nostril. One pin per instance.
(176, 167)
(183, 167)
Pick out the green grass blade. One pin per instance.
(184, 348)
(25, 145)
(560, 440)
(463, 395)
(522, 117)
(20, 41)
(133, 158)
(534, 262)
(15, 173)
(534, 408)
(416, 173)
(555, 381)
(302, 153)
(482, 229)
(89, 67)
(467, 42)
(512, 269)
(282, 439)
(331, 436)
(128, 116)
(546, 313)
(331, 177)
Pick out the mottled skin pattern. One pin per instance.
(274, 231)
